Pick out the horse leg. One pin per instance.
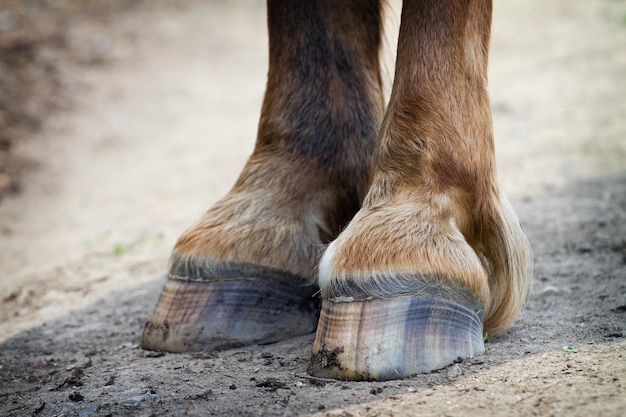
(244, 274)
(435, 251)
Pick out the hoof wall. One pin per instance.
(244, 306)
(394, 338)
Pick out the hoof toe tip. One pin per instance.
(394, 338)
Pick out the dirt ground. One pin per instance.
(162, 101)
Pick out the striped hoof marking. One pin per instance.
(216, 308)
(394, 338)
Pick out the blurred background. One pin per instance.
(122, 121)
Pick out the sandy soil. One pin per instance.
(165, 101)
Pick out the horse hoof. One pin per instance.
(223, 307)
(394, 338)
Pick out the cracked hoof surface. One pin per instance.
(394, 338)
(223, 307)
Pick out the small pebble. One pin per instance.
(40, 408)
(454, 371)
(551, 290)
(76, 397)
